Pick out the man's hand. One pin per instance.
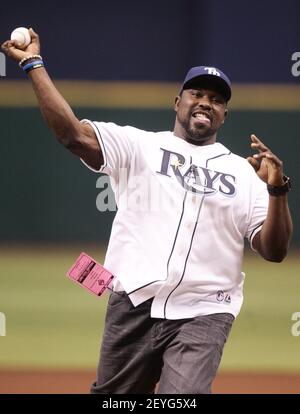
(267, 166)
(10, 49)
(273, 239)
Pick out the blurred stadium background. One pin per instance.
(124, 62)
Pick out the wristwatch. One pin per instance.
(281, 190)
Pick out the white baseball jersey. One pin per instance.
(183, 213)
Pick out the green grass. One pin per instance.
(50, 321)
(53, 323)
(261, 337)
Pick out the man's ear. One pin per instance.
(225, 115)
(177, 101)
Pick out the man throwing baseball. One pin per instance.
(178, 262)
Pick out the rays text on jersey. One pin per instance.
(194, 178)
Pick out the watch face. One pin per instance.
(287, 184)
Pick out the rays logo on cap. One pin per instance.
(212, 71)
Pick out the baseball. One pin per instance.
(21, 36)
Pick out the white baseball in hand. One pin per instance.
(22, 37)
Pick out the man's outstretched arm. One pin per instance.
(79, 138)
(273, 240)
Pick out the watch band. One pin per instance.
(281, 190)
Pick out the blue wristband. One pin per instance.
(31, 64)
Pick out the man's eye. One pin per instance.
(217, 99)
(197, 94)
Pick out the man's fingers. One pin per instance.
(254, 138)
(255, 164)
(275, 160)
(35, 40)
(261, 155)
(8, 46)
(33, 34)
(4, 46)
(258, 144)
(270, 157)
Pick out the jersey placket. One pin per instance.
(179, 255)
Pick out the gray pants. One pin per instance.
(139, 351)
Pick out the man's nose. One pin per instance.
(204, 102)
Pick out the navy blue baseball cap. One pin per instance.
(215, 75)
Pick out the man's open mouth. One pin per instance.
(202, 117)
